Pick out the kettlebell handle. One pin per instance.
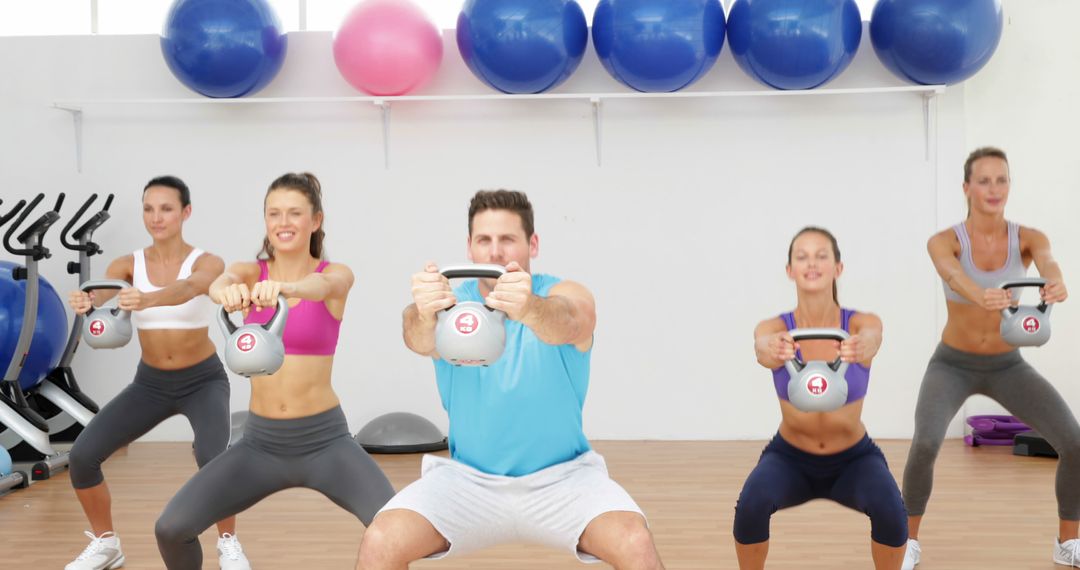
(477, 271)
(225, 323)
(112, 304)
(94, 284)
(819, 334)
(1023, 282)
(276, 325)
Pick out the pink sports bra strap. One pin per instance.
(310, 328)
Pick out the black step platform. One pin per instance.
(1032, 444)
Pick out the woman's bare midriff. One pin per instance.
(299, 389)
(173, 349)
(971, 328)
(822, 433)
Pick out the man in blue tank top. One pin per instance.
(521, 469)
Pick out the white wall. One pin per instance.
(681, 234)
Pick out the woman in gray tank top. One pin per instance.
(973, 259)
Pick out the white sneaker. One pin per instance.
(231, 554)
(103, 553)
(1067, 553)
(912, 555)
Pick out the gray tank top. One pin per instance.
(1013, 268)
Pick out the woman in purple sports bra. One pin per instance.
(296, 435)
(820, 455)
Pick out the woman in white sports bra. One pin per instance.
(179, 373)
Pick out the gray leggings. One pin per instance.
(950, 378)
(200, 392)
(315, 452)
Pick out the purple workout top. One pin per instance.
(857, 375)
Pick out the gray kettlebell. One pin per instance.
(106, 326)
(471, 333)
(255, 350)
(1026, 325)
(817, 386)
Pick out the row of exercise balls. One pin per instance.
(50, 331)
(529, 46)
(234, 48)
(231, 48)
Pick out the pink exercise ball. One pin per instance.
(387, 47)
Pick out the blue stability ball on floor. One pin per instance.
(5, 461)
(50, 332)
(522, 46)
(935, 42)
(223, 48)
(658, 45)
(794, 44)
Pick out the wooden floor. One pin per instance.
(989, 510)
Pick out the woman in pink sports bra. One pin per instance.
(296, 435)
(179, 371)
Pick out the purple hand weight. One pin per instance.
(1004, 424)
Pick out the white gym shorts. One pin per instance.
(475, 510)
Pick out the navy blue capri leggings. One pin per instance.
(857, 477)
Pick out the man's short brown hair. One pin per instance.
(511, 200)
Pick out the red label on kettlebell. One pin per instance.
(97, 327)
(817, 385)
(245, 342)
(466, 323)
(1031, 325)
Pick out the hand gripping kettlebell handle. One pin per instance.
(474, 271)
(1043, 306)
(112, 304)
(276, 325)
(794, 365)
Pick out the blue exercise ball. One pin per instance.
(50, 331)
(5, 462)
(522, 46)
(223, 48)
(935, 42)
(658, 45)
(794, 44)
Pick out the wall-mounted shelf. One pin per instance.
(77, 107)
